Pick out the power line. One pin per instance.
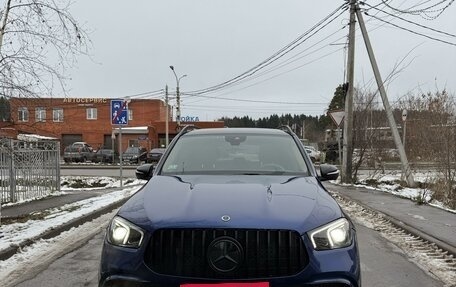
(254, 101)
(285, 50)
(408, 21)
(411, 31)
(156, 93)
(423, 11)
(257, 83)
(285, 63)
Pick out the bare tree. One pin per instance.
(369, 119)
(39, 41)
(432, 137)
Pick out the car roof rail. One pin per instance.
(286, 129)
(187, 128)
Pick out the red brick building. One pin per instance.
(89, 120)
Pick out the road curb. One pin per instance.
(50, 233)
(408, 228)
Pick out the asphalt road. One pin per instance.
(382, 264)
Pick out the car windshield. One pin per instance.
(132, 150)
(243, 153)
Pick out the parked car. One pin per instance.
(232, 205)
(135, 155)
(155, 154)
(77, 154)
(104, 155)
(82, 144)
(313, 153)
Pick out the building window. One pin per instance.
(23, 114)
(130, 115)
(57, 115)
(91, 113)
(40, 114)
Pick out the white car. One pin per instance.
(314, 154)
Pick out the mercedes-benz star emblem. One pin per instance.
(226, 218)
(225, 254)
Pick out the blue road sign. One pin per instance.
(119, 112)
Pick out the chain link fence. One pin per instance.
(28, 169)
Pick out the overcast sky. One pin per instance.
(212, 41)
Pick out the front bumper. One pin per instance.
(329, 268)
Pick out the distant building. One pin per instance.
(89, 120)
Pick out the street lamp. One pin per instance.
(178, 113)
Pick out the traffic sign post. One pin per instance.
(119, 117)
(338, 117)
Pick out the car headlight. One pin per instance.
(336, 234)
(124, 233)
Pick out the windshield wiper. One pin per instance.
(181, 180)
(263, 173)
(251, 173)
(292, 178)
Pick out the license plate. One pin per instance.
(253, 284)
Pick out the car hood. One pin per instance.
(260, 202)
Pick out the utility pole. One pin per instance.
(389, 113)
(348, 119)
(178, 110)
(167, 118)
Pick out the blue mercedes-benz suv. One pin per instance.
(232, 207)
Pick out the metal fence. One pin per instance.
(28, 169)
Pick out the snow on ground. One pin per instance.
(389, 182)
(47, 250)
(36, 257)
(100, 182)
(19, 232)
(72, 183)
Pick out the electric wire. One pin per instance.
(423, 11)
(288, 61)
(272, 69)
(411, 31)
(235, 99)
(156, 93)
(285, 50)
(295, 58)
(257, 83)
(411, 22)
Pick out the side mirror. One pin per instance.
(328, 172)
(145, 171)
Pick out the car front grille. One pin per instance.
(226, 253)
